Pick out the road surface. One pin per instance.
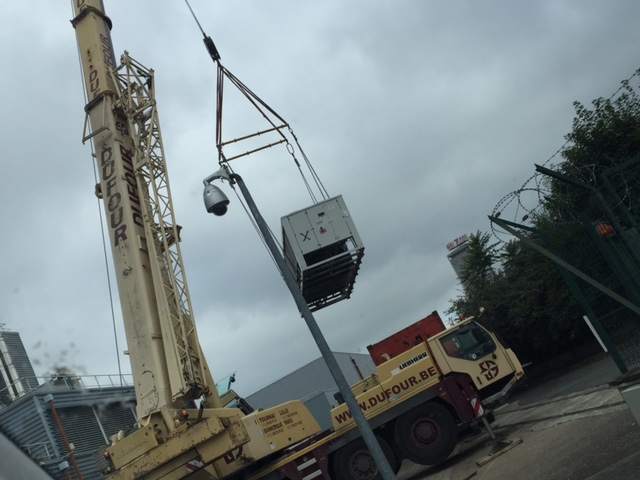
(572, 427)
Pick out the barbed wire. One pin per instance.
(525, 209)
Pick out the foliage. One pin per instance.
(526, 298)
(603, 138)
(480, 257)
(608, 132)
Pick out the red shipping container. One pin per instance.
(406, 338)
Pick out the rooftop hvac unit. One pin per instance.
(323, 250)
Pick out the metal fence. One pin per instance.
(26, 385)
(587, 221)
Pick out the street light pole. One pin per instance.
(363, 426)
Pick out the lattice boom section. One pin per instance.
(138, 98)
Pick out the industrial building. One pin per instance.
(458, 251)
(62, 421)
(314, 385)
(16, 372)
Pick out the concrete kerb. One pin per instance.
(513, 407)
(495, 453)
(571, 405)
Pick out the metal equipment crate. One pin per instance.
(323, 250)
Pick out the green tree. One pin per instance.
(602, 138)
(606, 133)
(525, 295)
(526, 300)
(476, 275)
(479, 277)
(479, 260)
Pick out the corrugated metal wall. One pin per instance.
(89, 417)
(314, 385)
(23, 423)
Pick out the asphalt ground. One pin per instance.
(573, 426)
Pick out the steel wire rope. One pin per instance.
(221, 72)
(314, 174)
(257, 102)
(195, 18)
(255, 225)
(260, 104)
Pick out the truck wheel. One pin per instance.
(354, 462)
(427, 434)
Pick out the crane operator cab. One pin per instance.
(229, 398)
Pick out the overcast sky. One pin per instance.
(422, 114)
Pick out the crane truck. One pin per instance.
(431, 383)
(415, 403)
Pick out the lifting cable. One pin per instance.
(222, 160)
(263, 108)
(268, 113)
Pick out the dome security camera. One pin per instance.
(215, 201)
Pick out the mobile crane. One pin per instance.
(431, 383)
(182, 425)
(420, 397)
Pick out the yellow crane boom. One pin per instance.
(170, 372)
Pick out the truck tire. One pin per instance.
(354, 462)
(427, 434)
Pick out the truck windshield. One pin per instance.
(469, 342)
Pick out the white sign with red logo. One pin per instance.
(458, 241)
